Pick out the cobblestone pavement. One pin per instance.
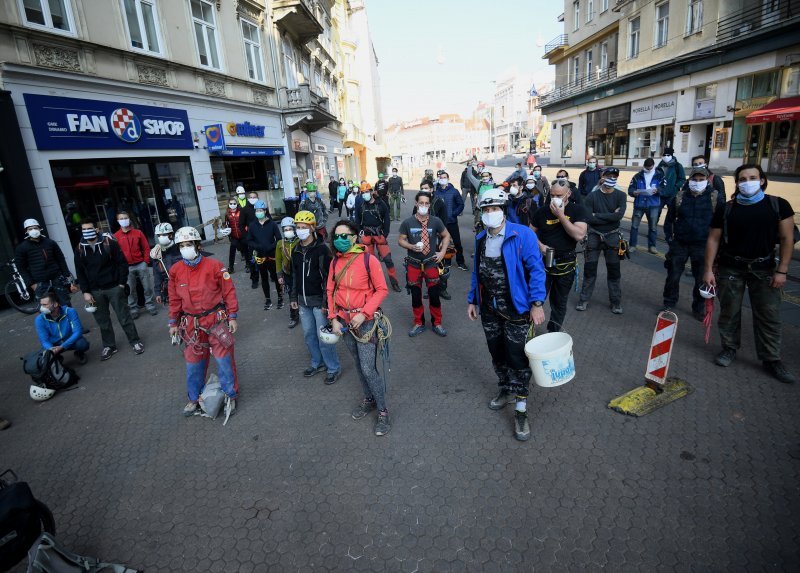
(292, 483)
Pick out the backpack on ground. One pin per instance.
(47, 556)
(48, 370)
(22, 520)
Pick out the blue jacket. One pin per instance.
(643, 201)
(452, 200)
(524, 267)
(63, 331)
(587, 180)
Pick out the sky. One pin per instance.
(440, 56)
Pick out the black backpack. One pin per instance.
(22, 520)
(48, 370)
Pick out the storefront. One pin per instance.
(607, 134)
(773, 135)
(324, 143)
(652, 127)
(301, 160)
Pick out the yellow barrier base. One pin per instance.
(644, 399)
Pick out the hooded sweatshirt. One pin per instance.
(100, 265)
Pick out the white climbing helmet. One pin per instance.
(493, 197)
(707, 291)
(163, 229)
(40, 394)
(328, 336)
(187, 234)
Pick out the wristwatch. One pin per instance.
(538, 303)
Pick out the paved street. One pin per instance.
(292, 483)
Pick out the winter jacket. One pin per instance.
(520, 208)
(373, 216)
(198, 288)
(382, 189)
(675, 178)
(318, 208)
(452, 200)
(468, 181)
(396, 185)
(639, 183)
(232, 218)
(689, 222)
(588, 180)
(40, 260)
(263, 237)
(341, 192)
(358, 288)
(520, 173)
(247, 215)
(134, 246)
(523, 263)
(543, 187)
(283, 256)
(100, 265)
(351, 201)
(310, 266)
(605, 209)
(63, 331)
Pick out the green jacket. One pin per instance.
(283, 256)
(674, 177)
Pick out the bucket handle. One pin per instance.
(532, 330)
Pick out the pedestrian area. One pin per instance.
(292, 483)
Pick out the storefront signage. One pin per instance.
(686, 129)
(300, 146)
(321, 148)
(250, 152)
(245, 129)
(71, 123)
(215, 139)
(653, 108)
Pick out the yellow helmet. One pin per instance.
(305, 217)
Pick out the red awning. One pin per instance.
(786, 109)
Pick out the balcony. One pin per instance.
(559, 42)
(598, 79)
(297, 17)
(304, 108)
(352, 134)
(758, 18)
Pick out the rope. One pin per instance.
(382, 330)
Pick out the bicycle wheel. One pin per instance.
(26, 304)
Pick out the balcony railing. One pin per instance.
(758, 18)
(557, 42)
(598, 78)
(302, 97)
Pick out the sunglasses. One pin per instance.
(344, 235)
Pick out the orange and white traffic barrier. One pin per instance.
(661, 347)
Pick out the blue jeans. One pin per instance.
(312, 319)
(652, 224)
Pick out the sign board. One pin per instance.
(686, 129)
(300, 146)
(72, 123)
(704, 108)
(215, 138)
(720, 139)
(231, 151)
(321, 148)
(653, 108)
(245, 129)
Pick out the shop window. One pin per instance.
(252, 51)
(738, 137)
(566, 140)
(54, 15)
(262, 175)
(662, 24)
(205, 33)
(633, 37)
(694, 17)
(142, 21)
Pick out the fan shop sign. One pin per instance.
(72, 123)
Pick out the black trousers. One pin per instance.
(455, 235)
(267, 271)
(558, 287)
(236, 245)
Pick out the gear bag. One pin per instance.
(22, 519)
(212, 398)
(47, 556)
(48, 370)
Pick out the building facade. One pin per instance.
(711, 77)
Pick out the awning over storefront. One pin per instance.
(786, 109)
(231, 151)
(651, 123)
(701, 121)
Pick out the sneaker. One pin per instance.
(231, 270)
(382, 425)
(395, 285)
(312, 371)
(292, 322)
(280, 303)
(462, 266)
(616, 309)
(81, 356)
(652, 250)
(268, 305)
(581, 306)
(108, 352)
(725, 358)
(332, 377)
(153, 311)
(138, 348)
(632, 248)
(499, 402)
(254, 285)
(522, 429)
(779, 371)
(191, 409)
(364, 408)
(229, 408)
(444, 294)
(416, 330)
(440, 330)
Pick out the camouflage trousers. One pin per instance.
(506, 338)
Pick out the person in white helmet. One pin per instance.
(42, 265)
(165, 254)
(283, 263)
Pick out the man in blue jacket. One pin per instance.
(508, 289)
(645, 188)
(455, 206)
(59, 328)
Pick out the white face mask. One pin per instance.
(288, 234)
(232, 206)
(697, 186)
(252, 201)
(422, 209)
(557, 201)
(44, 310)
(34, 233)
(443, 182)
(124, 223)
(530, 185)
(303, 234)
(366, 196)
(164, 240)
(394, 174)
(189, 253)
(667, 158)
(492, 220)
(514, 191)
(241, 195)
(649, 171)
(749, 188)
(700, 166)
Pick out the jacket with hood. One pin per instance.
(452, 200)
(63, 331)
(310, 265)
(263, 237)
(318, 208)
(638, 183)
(358, 288)
(40, 260)
(100, 265)
(675, 177)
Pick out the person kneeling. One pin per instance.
(59, 328)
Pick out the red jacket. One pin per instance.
(199, 288)
(358, 289)
(134, 246)
(232, 218)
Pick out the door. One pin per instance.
(708, 140)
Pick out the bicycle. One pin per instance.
(18, 294)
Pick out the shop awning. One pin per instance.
(651, 123)
(786, 109)
(701, 121)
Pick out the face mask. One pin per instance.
(422, 209)
(562, 178)
(89, 234)
(443, 182)
(312, 195)
(610, 181)
(260, 214)
(514, 191)
(44, 310)
(189, 253)
(366, 196)
(591, 166)
(34, 233)
(487, 182)
(667, 158)
(232, 206)
(252, 201)
(492, 220)
(530, 185)
(288, 234)
(649, 171)
(536, 175)
(558, 202)
(164, 240)
(697, 186)
(303, 234)
(394, 174)
(241, 195)
(124, 223)
(341, 245)
(700, 166)
(749, 188)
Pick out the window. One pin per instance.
(55, 15)
(694, 17)
(576, 69)
(577, 7)
(603, 56)
(566, 140)
(706, 92)
(252, 51)
(141, 18)
(289, 65)
(738, 137)
(662, 24)
(603, 5)
(588, 65)
(205, 32)
(305, 70)
(759, 85)
(589, 10)
(633, 37)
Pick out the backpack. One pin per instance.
(48, 370)
(773, 201)
(47, 556)
(22, 519)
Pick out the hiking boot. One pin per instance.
(280, 304)
(779, 371)
(499, 402)
(444, 294)
(313, 371)
(462, 266)
(652, 250)
(138, 348)
(108, 352)
(268, 305)
(81, 357)
(522, 429)
(726, 357)
(332, 377)
(382, 425)
(191, 409)
(581, 306)
(416, 330)
(364, 408)
(440, 330)
(616, 309)
(292, 322)
(395, 285)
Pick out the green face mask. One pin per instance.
(342, 245)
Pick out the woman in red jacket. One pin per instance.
(356, 288)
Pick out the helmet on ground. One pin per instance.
(187, 234)
(327, 336)
(30, 223)
(306, 217)
(239, 190)
(163, 229)
(287, 222)
(40, 394)
(260, 205)
(493, 198)
(707, 290)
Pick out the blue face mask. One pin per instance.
(89, 234)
